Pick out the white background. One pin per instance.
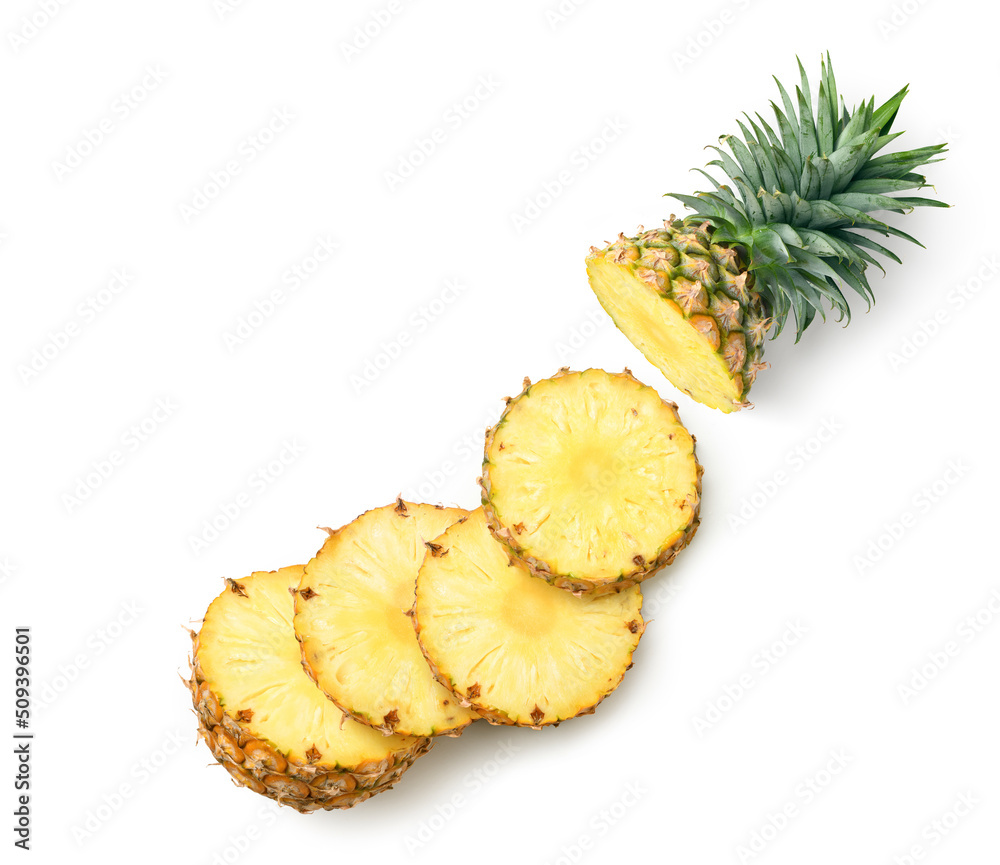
(107, 582)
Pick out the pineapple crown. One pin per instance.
(805, 195)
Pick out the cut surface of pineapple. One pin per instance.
(590, 480)
(263, 717)
(516, 649)
(352, 620)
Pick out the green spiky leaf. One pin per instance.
(798, 196)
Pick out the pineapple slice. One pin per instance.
(516, 649)
(591, 481)
(263, 718)
(351, 617)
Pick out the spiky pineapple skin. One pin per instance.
(708, 283)
(545, 571)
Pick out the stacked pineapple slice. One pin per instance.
(515, 649)
(352, 618)
(266, 722)
(319, 685)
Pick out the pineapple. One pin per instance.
(351, 618)
(699, 296)
(263, 718)
(591, 481)
(514, 648)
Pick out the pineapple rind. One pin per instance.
(688, 305)
(470, 561)
(308, 782)
(504, 529)
(342, 624)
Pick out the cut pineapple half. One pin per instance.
(352, 620)
(516, 649)
(688, 327)
(590, 480)
(266, 722)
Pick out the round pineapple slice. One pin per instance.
(591, 481)
(516, 649)
(352, 620)
(263, 718)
